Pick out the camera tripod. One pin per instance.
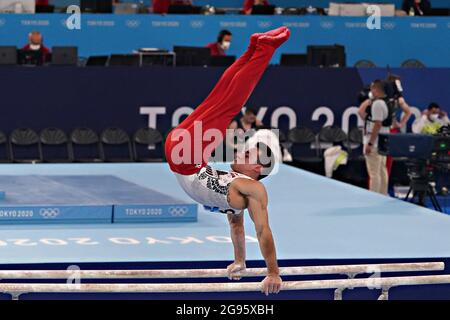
(420, 188)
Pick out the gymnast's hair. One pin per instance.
(266, 159)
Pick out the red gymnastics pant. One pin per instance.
(217, 111)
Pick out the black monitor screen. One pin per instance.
(326, 56)
(192, 56)
(8, 55)
(129, 60)
(97, 61)
(293, 59)
(65, 56)
(97, 6)
(263, 10)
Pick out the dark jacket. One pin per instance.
(421, 9)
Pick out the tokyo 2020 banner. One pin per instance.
(132, 98)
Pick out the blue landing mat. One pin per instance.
(86, 199)
(311, 217)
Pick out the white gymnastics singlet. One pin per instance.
(210, 188)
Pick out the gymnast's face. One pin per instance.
(247, 163)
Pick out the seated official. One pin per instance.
(248, 5)
(432, 119)
(241, 125)
(247, 121)
(223, 43)
(36, 43)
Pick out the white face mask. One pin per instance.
(434, 117)
(225, 45)
(35, 46)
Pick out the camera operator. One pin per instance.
(433, 118)
(379, 116)
(394, 92)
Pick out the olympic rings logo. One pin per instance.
(389, 25)
(132, 23)
(327, 24)
(264, 24)
(49, 213)
(197, 24)
(178, 211)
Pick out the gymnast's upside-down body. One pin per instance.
(239, 189)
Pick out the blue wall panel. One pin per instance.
(290, 3)
(399, 39)
(103, 97)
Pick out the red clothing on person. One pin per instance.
(42, 2)
(216, 49)
(45, 52)
(44, 49)
(162, 6)
(220, 107)
(248, 4)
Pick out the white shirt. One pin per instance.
(380, 112)
(418, 125)
(210, 188)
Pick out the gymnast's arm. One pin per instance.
(237, 231)
(257, 200)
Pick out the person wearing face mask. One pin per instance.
(431, 121)
(35, 43)
(378, 116)
(223, 43)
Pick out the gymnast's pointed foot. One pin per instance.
(254, 39)
(275, 41)
(276, 31)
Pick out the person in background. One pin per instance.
(242, 124)
(162, 6)
(396, 92)
(223, 43)
(248, 5)
(36, 43)
(247, 121)
(433, 118)
(378, 120)
(420, 7)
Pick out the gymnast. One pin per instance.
(189, 146)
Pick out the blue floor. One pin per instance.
(86, 199)
(312, 217)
